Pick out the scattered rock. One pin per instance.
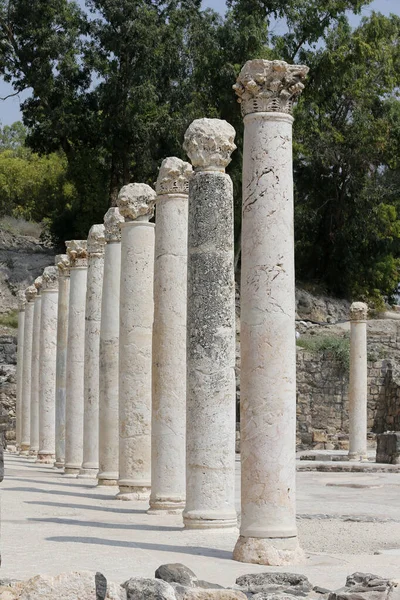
(211, 594)
(177, 573)
(364, 586)
(292, 583)
(206, 585)
(67, 586)
(140, 588)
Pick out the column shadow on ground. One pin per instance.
(103, 525)
(84, 486)
(57, 493)
(196, 550)
(88, 507)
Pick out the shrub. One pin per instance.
(21, 227)
(9, 319)
(337, 347)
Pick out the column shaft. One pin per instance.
(358, 388)
(20, 358)
(34, 444)
(26, 372)
(61, 360)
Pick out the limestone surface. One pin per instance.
(209, 144)
(136, 200)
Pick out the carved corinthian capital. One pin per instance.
(96, 241)
(269, 86)
(209, 144)
(112, 224)
(173, 177)
(136, 201)
(50, 279)
(62, 262)
(38, 284)
(358, 311)
(21, 298)
(30, 293)
(77, 253)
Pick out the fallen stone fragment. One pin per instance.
(211, 594)
(206, 585)
(273, 596)
(140, 588)
(293, 583)
(176, 572)
(321, 590)
(67, 586)
(364, 586)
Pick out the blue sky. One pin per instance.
(9, 109)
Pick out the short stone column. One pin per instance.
(95, 248)
(20, 357)
(47, 366)
(211, 390)
(268, 533)
(63, 265)
(37, 311)
(168, 433)
(358, 388)
(136, 204)
(109, 352)
(30, 295)
(77, 254)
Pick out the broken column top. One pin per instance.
(112, 225)
(30, 293)
(63, 264)
(38, 284)
(209, 144)
(174, 176)
(136, 201)
(21, 298)
(358, 311)
(96, 240)
(50, 278)
(269, 86)
(77, 253)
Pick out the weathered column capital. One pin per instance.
(38, 284)
(358, 311)
(30, 293)
(112, 225)
(50, 279)
(269, 86)
(96, 241)
(209, 144)
(63, 265)
(77, 253)
(21, 298)
(136, 202)
(173, 177)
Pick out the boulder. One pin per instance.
(140, 588)
(177, 573)
(292, 583)
(68, 586)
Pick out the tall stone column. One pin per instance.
(268, 533)
(168, 423)
(63, 265)
(95, 248)
(358, 389)
(34, 445)
(77, 254)
(47, 366)
(136, 204)
(109, 352)
(30, 294)
(211, 390)
(20, 358)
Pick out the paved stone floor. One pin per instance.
(51, 524)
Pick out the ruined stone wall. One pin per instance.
(8, 362)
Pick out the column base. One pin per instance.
(133, 493)
(33, 452)
(70, 471)
(197, 519)
(276, 552)
(24, 450)
(108, 479)
(170, 506)
(88, 473)
(357, 457)
(47, 459)
(59, 465)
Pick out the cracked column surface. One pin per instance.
(136, 204)
(63, 265)
(109, 352)
(30, 295)
(37, 311)
(358, 388)
(47, 366)
(95, 249)
(20, 358)
(210, 417)
(168, 423)
(77, 254)
(268, 533)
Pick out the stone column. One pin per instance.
(20, 358)
(168, 423)
(30, 295)
(77, 254)
(268, 533)
(37, 311)
(211, 390)
(62, 262)
(109, 352)
(47, 366)
(95, 247)
(136, 204)
(358, 388)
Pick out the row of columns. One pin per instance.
(139, 367)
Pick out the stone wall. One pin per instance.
(8, 362)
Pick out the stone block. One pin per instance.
(388, 448)
(319, 436)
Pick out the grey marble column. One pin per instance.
(20, 358)
(34, 436)
(358, 387)
(63, 265)
(95, 247)
(211, 389)
(30, 294)
(168, 423)
(136, 204)
(109, 352)
(47, 366)
(77, 254)
(268, 532)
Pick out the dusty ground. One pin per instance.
(52, 525)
